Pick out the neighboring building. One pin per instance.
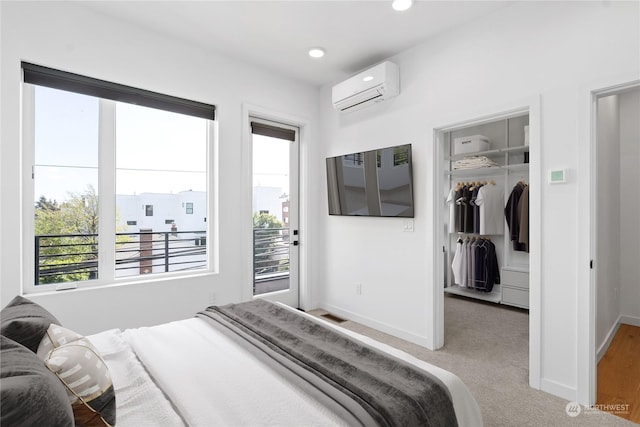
(285, 212)
(180, 219)
(269, 200)
(184, 211)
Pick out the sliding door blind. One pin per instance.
(56, 79)
(263, 129)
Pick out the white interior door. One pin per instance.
(275, 237)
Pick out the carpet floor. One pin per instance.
(487, 347)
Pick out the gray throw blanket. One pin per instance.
(391, 391)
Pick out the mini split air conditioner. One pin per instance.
(362, 90)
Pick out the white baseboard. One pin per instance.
(622, 319)
(383, 327)
(557, 389)
(602, 348)
(630, 320)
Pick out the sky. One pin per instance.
(156, 151)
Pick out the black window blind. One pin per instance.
(44, 76)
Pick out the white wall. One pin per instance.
(552, 49)
(70, 37)
(629, 206)
(608, 218)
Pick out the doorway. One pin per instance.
(614, 247)
(517, 159)
(275, 211)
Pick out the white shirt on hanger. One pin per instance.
(464, 279)
(452, 211)
(490, 200)
(456, 265)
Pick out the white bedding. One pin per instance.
(139, 402)
(185, 358)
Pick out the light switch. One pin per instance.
(408, 225)
(557, 176)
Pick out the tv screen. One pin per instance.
(371, 183)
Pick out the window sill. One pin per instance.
(127, 282)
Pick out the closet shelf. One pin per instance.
(493, 170)
(490, 153)
(494, 296)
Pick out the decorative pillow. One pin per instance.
(79, 367)
(25, 322)
(31, 395)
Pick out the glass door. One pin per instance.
(275, 211)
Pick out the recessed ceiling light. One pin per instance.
(316, 52)
(401, 5)
(367, 79)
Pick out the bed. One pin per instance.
(249, 364)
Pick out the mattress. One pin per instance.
(189, 373)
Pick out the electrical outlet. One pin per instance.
(358, 288)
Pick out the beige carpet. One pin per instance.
(487, 346)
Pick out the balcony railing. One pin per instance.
(270, 253)
(74, 257)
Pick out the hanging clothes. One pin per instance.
(468, 209)
(512, 215)
(470, 263)
(489, 201)
(464, 210)
(464, 281)
(451, 202)
(475, 264)
(476, 208)
(486, 271)
(523, 219)
(459, 212)
(456, 265)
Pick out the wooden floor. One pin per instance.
(619, 375)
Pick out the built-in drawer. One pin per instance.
(515, 296)
(515, 278)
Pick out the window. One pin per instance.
(400, 155)
(189, 209)
(98, 151)
(169, 221)
(354, 159)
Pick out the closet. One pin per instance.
(485, 171)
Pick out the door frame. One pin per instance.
(533, 106)
(586, 366)
(252, 111)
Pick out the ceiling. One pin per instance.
(277, 34)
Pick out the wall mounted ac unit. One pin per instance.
(362, 90)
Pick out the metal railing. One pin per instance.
(74, 257)
(270, 253)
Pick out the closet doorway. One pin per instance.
(511, 161)
(614, 248)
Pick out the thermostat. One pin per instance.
(557, 176)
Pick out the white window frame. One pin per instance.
(107, 205)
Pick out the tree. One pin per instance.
(265, 220)
(67, 237)
(45, 203)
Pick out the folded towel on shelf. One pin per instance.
(473, 162)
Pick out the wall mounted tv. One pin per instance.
(371, 183)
